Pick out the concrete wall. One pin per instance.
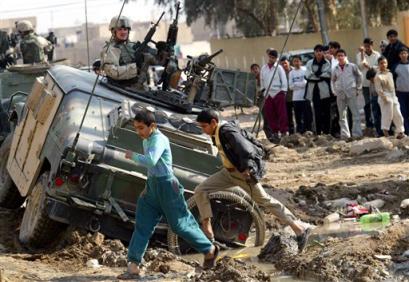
(240, 53)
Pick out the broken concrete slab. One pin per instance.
(370, 145)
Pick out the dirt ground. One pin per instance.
(313, 176)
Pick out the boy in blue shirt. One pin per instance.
(163, 196)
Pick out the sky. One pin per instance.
(61, 13)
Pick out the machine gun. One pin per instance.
(140, 49)
(173, 32)
(198, 71)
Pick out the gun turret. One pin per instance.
(204, 60)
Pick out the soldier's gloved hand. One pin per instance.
(139, 58)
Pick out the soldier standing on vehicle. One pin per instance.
(120, 63)
(163, 196)
(241, 155)
(31, 46)
(53, 40)
(4, 48)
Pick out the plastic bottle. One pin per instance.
(383, 217)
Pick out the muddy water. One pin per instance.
(249, 255)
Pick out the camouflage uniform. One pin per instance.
(119, 63)
(4, 43)
(32, 48)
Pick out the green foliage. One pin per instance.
(261, 17)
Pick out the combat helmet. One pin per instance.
(121, 22)
(23, 26)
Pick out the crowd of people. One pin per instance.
(323, 96)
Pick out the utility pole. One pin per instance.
(364, 23)
(323, 23)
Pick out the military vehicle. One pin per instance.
(65, 157)
(15, 85)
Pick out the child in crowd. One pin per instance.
(376, 110)
(275, 109)
(388, 102)
(302, 107)
(402, 86)
(346, 82)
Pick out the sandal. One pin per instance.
(128, 276)
(209, 263)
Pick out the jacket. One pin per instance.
(318, 75)
(391, 53)
(242, 149)
(346, 81)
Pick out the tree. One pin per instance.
(252, 17)
(262, 17)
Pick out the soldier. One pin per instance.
(120, 63)
(32, 47)
(53, 40)
(4, 48)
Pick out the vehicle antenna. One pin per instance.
(86, 34)
(258, 119)
(74, 144)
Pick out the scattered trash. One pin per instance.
(333, 217)
(383, 257)
(404, 204)
(339, 203)
(93, 263)
(378, 203)
(383, 217)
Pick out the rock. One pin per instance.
(369, 145)
(97, 238)
(93, 263)
(333, 217)
(338, 203)
(404, 204)
(406, 253)
(383, 257)
(395, 154)
(280, 245)
(378, 203)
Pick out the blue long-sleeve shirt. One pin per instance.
(157, 157)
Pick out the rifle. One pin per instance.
(148, 38)
(173, 32)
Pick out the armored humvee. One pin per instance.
(79, 176)
(15, 85)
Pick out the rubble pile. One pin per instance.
(321, 200)
(279, 249)
(230, 269)
(306, 140)
(371, 258)
(79, 247)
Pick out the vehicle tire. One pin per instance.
(37, 229)
(234, 196)
(9, 195)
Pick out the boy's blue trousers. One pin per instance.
(163, 196)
